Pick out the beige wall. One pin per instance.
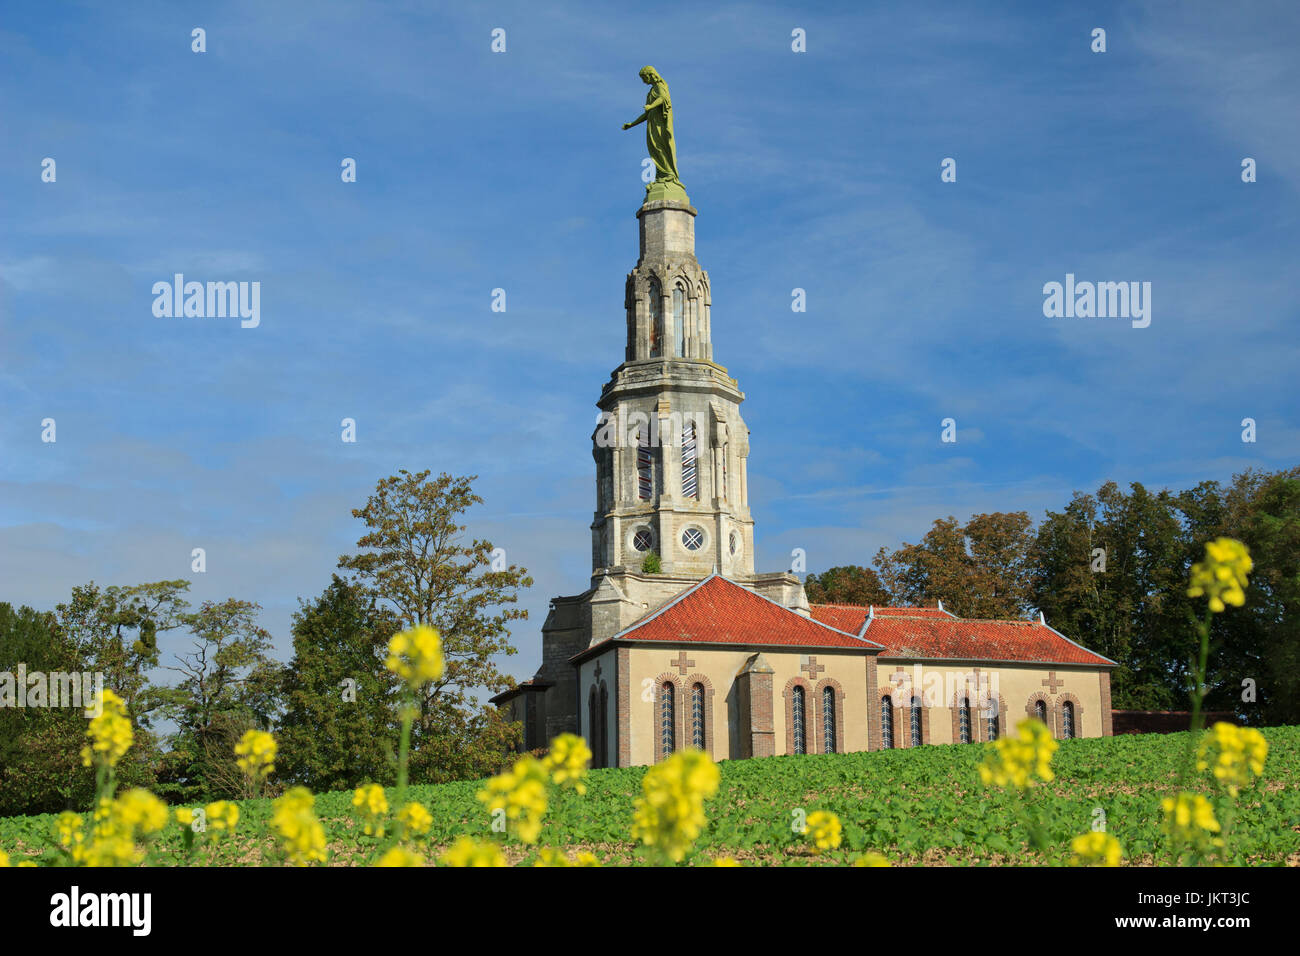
(1016, 686)
(720, 667)
(938, 685)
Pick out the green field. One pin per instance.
(914, 806)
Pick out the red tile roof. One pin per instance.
(928, 633)
(718, 611)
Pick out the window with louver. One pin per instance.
(690, 470)
(697, 717)
(828, 719)
(645, 466)
(667, 718)
(797, 718)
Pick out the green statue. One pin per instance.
(658, 119)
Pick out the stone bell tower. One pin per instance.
(671, 456)
(671, 448)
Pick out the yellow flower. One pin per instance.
(725, 861)
(1095, 848)
(400, 856)
(1190, 820)
(110, 733)
(871, 859)
(4, 859)
(670, 812)
(415, 818)
(1223, 575)
(568, 761)
(301, 835)
(521, 794)
(256, 753)
(823, 828)
(69, 828)
(1020, 760)
(185, 816)
(141, 812)
(467, 852)
(547, 856)
(222, 816)
(1238, 752)
(372, 803)
(416, 656)
(115, 827)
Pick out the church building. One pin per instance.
(706, 652)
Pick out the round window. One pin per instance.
(642, 539)
(692, 539)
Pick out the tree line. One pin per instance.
(1110, 571)
(333, 706)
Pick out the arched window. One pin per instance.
(697, 716)
(656, 320)
(916, 721)
(667, 717)
(887, 722)
(964, 721)
(797, 720)
(593, 722)
(991, 727)
(645, 465)
(1040, 710)
(690, 470)
(1067, 720)
(828, 720)
(679, 320)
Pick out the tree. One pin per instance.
(116, 632)
(338, 729)
(40, 747)
(417, 560)
(980, 570)
(846, 585)
(228, 686)
(1257, 645)
(1110, 571)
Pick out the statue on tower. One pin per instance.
(658, 119)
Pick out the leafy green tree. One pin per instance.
(116, 632)
(1256, 646)
(228, 685)
(1110, 571)
(848, 584)
(339, 728)
(415, 557)
(40, 747)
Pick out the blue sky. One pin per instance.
(479, 171)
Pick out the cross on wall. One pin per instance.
(1052, 683)
(681, 663)
(812, 668)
